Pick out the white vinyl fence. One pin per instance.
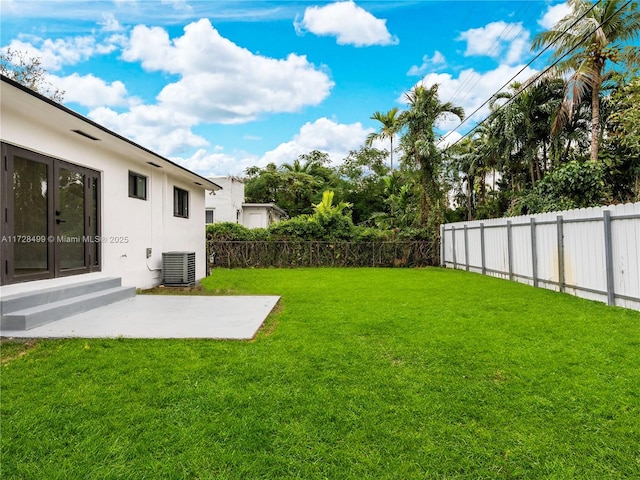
(593, 253)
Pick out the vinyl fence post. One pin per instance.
(510, 249)
(453, 245)
(534, 253)
(442, 259)
(608, 256)
(560, 235)
(466, 247)
(482, 254)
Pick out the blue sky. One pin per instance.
(219, 86)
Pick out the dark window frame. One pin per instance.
(208, 211)
(180, 202)
(133, 185)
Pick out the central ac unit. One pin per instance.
(179, 268)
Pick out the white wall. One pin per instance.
(228, 201)
(576, 264)
(255, 217)
(144, 224)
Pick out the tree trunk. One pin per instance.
(424, 208)
(595, 120)
(533, 177)
(470, 182)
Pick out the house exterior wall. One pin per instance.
(228, 201)
(128, 225)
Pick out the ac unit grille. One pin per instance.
(179, 268)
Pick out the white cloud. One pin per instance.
(335, 139)
(471, 89)
(91, 91)
(222, 82)
(507, 41)
(553, 15)
(158, 129)
(109, 23)
(178, 5)
(57, 53)
(217, 164)
(434, 63)
(325, 135)
(349, 23)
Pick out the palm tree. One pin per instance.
(326, 206)
(589, 36)
(525, 122)
(390, 124)
(466, 159)
(314, 162)
(420, 119)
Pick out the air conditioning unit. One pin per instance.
(178, 268)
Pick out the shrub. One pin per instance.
(370, 234)
(228, 231)
(335, 226)
(573, 185)
(301, 228)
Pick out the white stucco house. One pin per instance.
(79, 200)
(228, 205)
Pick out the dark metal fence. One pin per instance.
(287, 254)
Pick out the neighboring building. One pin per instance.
(227, 205)
(261, 215)
(78, 199)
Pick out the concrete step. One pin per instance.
(42, 313)
(23, 301)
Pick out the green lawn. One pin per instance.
(361, 373)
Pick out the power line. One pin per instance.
(535, 78)
(508, 28)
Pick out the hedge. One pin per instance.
(295, 253)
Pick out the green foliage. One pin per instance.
(328, 222)
(390, 124)
(301, 227)
(335, 226)
(425, 110)
(293, 187)
(326, 206)
(362, 182)
(370, 234)
(621, 148)
(232, 231)
(573, 185)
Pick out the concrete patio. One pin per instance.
(162, 316)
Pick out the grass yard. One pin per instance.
(360, 374)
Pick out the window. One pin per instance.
(180, 203)
(137, 186)
(209, 215)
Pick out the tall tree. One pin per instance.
(362, 182)
(585, 40)
(390, 125)
(28, 71)
(425, 110)
(525, 124)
